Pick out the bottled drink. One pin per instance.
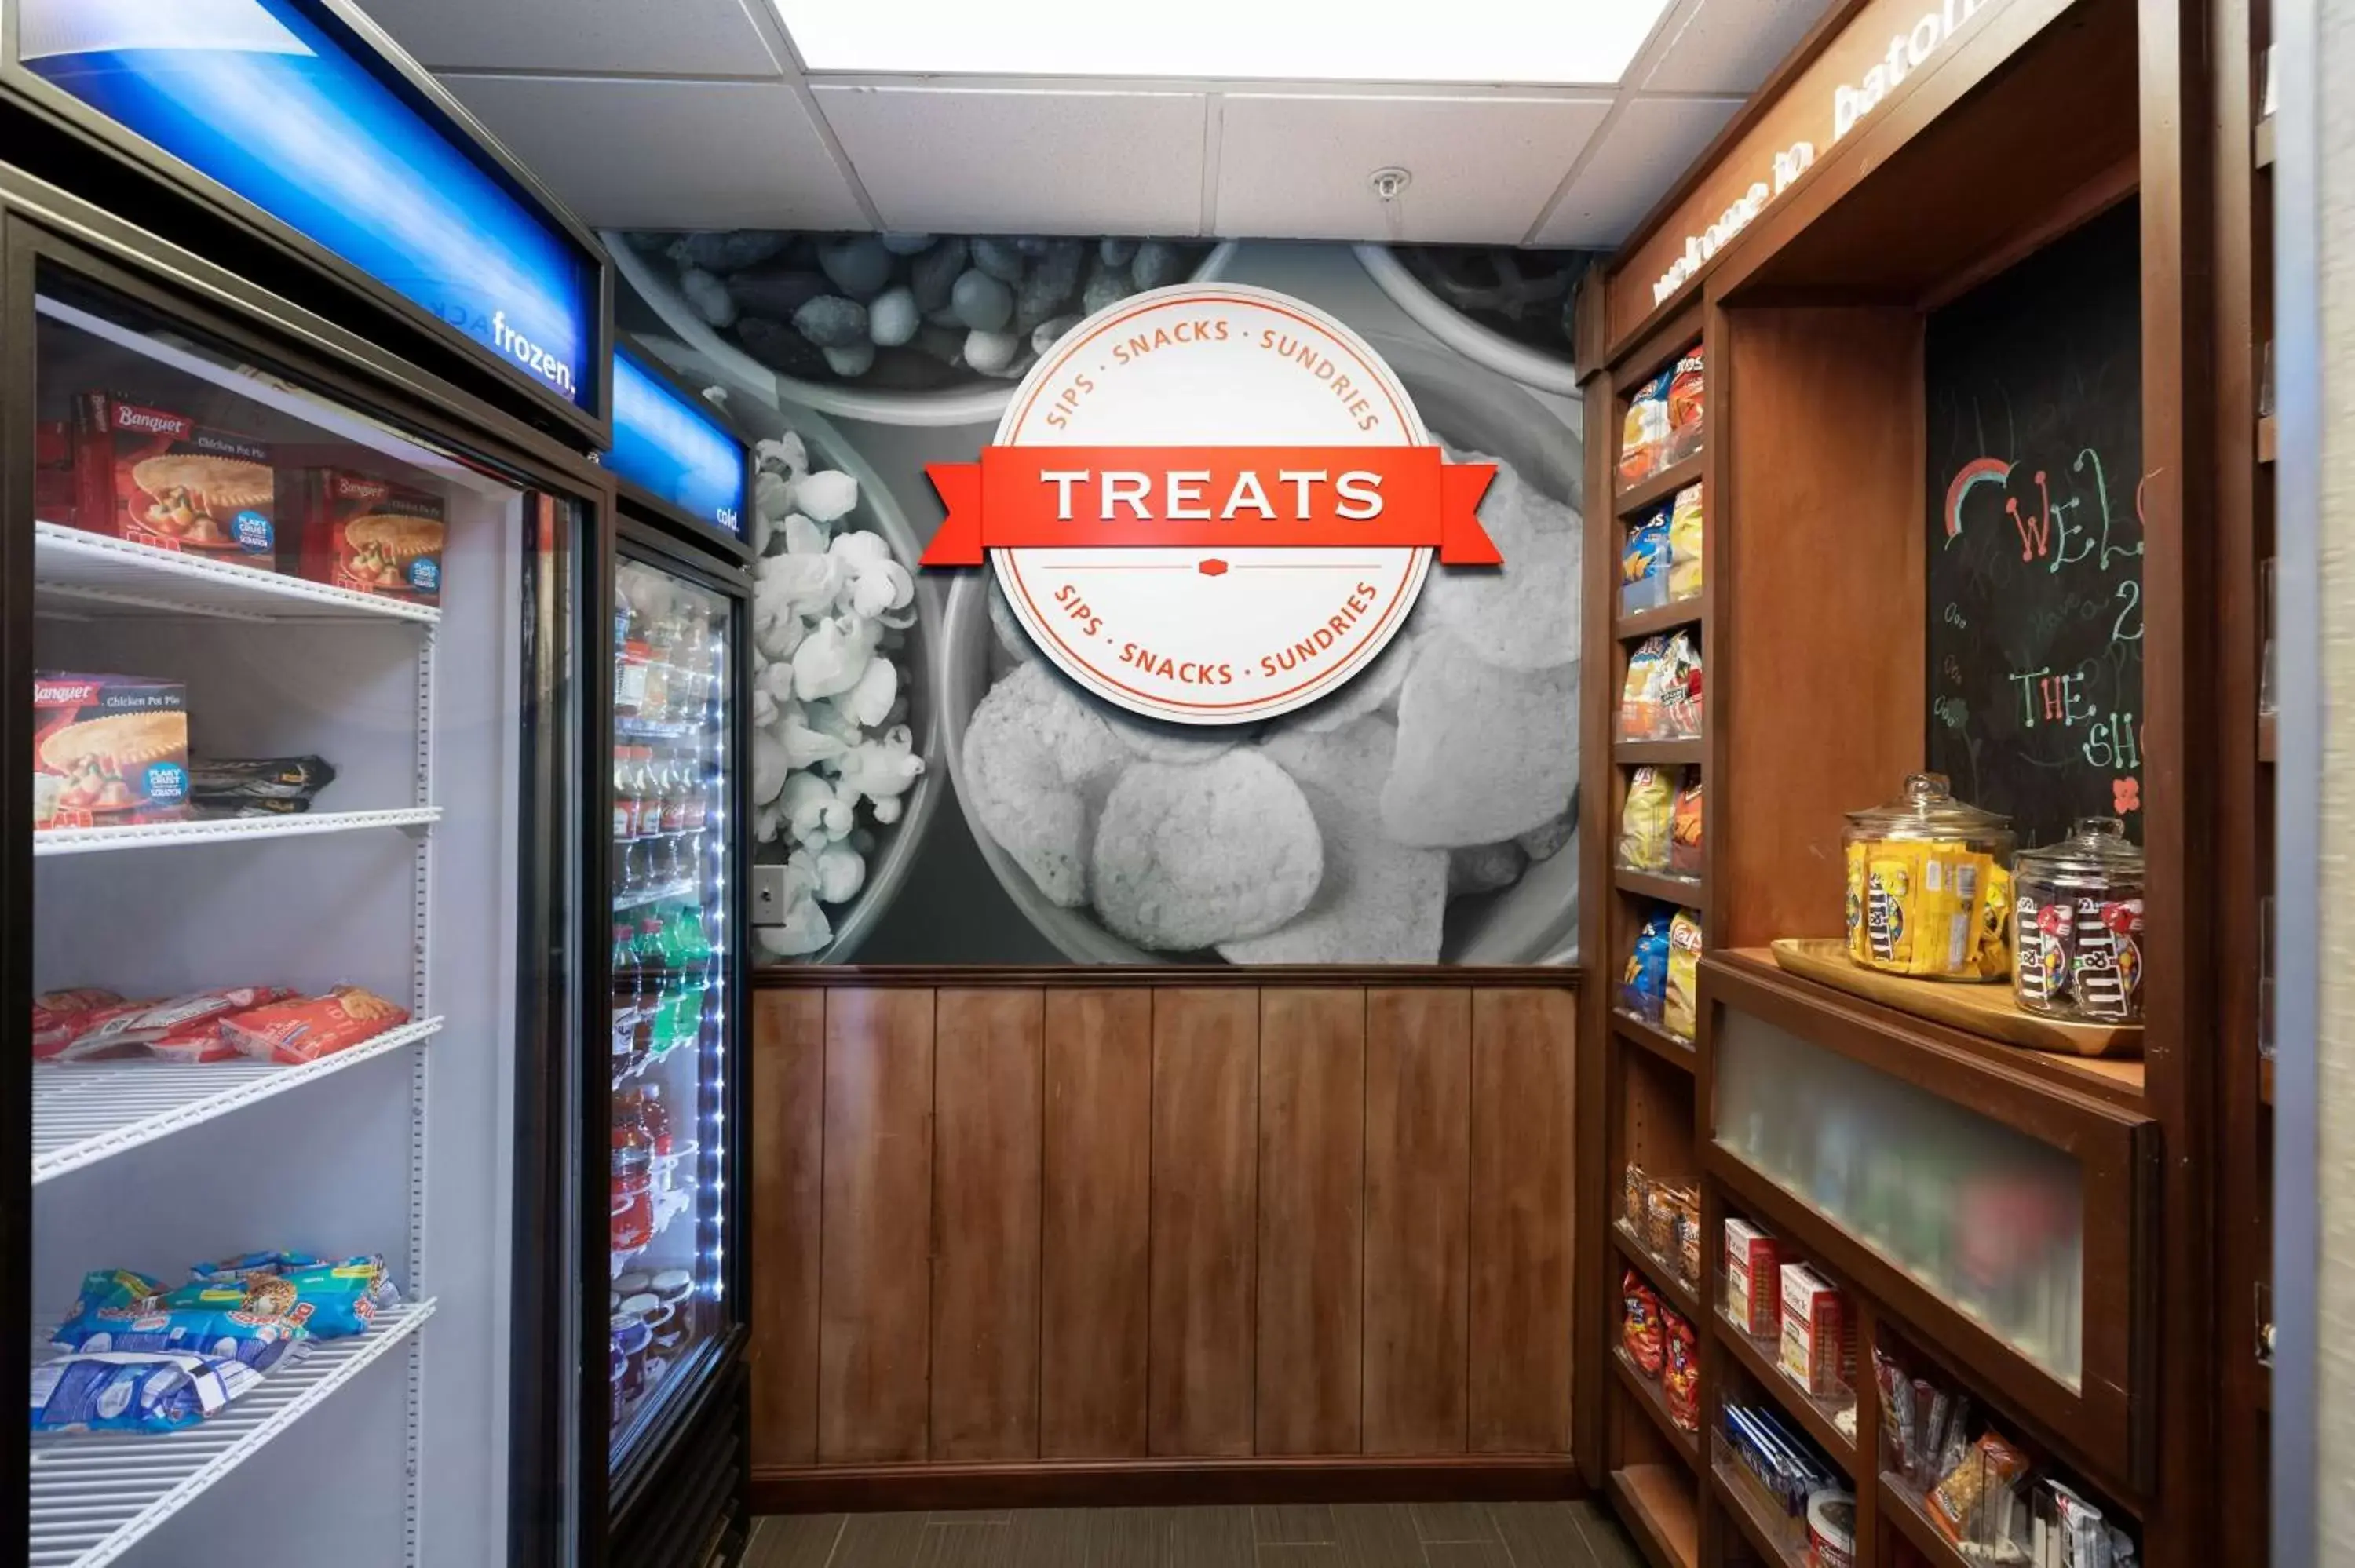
(625, 996)
(658, 701)
(629, 659)
(646, 1036)
(691, 949)
(668, 984)
(655, 1116)
(625, 794)
(699, 794)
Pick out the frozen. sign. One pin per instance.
(1211, 505)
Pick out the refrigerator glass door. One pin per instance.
(293, 666)
(670, 941)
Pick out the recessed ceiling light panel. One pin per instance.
(1518, 41)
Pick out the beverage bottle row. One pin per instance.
(666, 666)
(662, 985)
(660, 792)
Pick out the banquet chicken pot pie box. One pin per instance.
(157, 477)
(108, 750)
(372, 534)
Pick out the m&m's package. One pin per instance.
(1927, 885)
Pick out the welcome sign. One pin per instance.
(1211, 505)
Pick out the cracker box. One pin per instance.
(1753, 1279)
(157, 477)
(1818, 1333)
(108, 749)
(372, 534)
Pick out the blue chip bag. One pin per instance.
(324, 1300)
(250, 1262)
(132, 1392)
(256, 1344)
(109, 1298)
(1643, 986)
(1644, 565)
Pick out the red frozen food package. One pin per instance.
(60, 1016)
(310, 1027)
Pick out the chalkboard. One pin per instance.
(2035, 477)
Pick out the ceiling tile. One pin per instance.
(1647, 147)
(678, 38)
(668, 154)
(1729, 46)
(1296, 167)
(999, 160)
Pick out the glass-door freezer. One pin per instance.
(295, 643)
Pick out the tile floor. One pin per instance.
(1368, 1535)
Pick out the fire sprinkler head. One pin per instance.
(1386, 183)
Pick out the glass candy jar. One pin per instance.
(1928, 884)
(2079, 919)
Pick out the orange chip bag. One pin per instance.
(308, 1028)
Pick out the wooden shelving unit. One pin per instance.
(1664, 1278)
(1658, 1508)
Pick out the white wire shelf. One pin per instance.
(81, 574)
(219, 830)
(95, 1497)
(84, 1112)
(692, 888)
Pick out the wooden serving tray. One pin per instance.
(1983, 1008)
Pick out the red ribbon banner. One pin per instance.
(1194, 497)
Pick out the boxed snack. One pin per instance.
(1753, 1281)
(157, 477)
(53, 472)
(1817, 1335)
(108, 749)
(373, 535)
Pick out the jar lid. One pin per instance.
(2095, 847)
(1928, 809)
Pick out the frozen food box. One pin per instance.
(108, 749)
(157, 477)
(54, 499)
(373, 535)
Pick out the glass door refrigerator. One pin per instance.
(664, 1407)
(305, 583)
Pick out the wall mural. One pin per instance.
(943, 791)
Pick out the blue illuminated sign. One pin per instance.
(254, 94)
(665, 443)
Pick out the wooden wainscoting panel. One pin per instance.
(1312, 1173)
(874, 1333)
(1418, 1218)
(985, 1192)
(788, 1096)
(1521, 1332)
(1095, 1223)
(1205, 1231)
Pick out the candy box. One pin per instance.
(108, 749)
(372, 534)
(1753, 1281)
(1817, 1335)
(157, 477)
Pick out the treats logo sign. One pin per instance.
(1211, 505)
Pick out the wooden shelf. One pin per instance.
(1660, 618)
(2266, 1079)
(1902, 1508)
(1659, 1508)
(1638, 499)
(1645, 1392)
(1757, 1528)
(2264, 142)
(1658, 752)
(1776, 1384)
(1686, 891)
(2268, 737)
(1658, 1041)
(2268, 438)
(1664, 1279)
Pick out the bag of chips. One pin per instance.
(1639, 1323)
(1644, 565)
(1643, 989)
(1677, 693)
(1684, 544)
(1644, 821)
(146, 1390)
(1684, 831)
(1969, 1502)
(1680, 1376)
(1680, 999)
(307, 1028)
(1640, 707)
(1684, 404)
(1645, 431)
(324, 1300)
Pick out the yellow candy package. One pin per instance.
(1684, 544)
(1857, 895)
(1995, 925)
(1644, 821)
(1682, 1004)
(1946, 914)
(1893, 871)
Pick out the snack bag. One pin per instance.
(1685, 832)
(1892, 875)
(1995, 924)
(1643, 989)
(307, 1028)
(1640, 707)
(1686, 406)
(224, 1334)
(1634, 1195)
(1639, 1323)
(1946, 913)
(59, 1016)
(1644, 821)
(118, 1292)
(1684, 544)
(133, 1392)
(1682, 993)
(1677, 693)
(1645, 431)
(1859, 894)
(1680, 1379)
(1966, 1500)
(324, 1301)
(188, 1029)
(1644, 565)
(248, 1266)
